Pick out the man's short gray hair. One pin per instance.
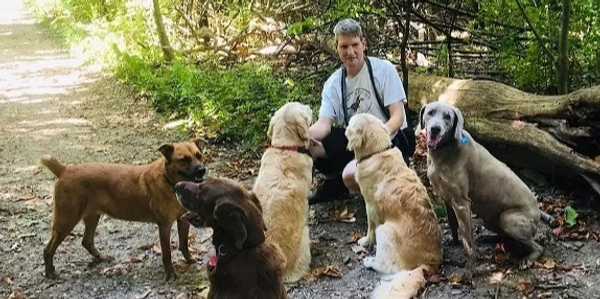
(348, 27)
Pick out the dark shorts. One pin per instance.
(339, 156)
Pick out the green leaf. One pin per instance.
(570, 216)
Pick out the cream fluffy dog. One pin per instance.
(400, 215)
(283, 184)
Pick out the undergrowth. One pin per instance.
(231, 104)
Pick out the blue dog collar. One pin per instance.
(463, 138)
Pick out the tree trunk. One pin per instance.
(162, 32)
(554, 135)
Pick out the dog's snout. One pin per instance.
(435, 130)
(199, 171)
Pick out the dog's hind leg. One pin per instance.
(91, 223)
(453, 223)
(385, 260)
(522, 228)
(62, 225)
(183, 230)
(302, 266)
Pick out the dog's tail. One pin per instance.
(51, 163)
(402, 285)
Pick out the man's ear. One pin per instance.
(458, 123)
(230, 216)
(167, 151)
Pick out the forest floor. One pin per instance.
(52, 103)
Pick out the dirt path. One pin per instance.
(52, 104)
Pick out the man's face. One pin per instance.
(351, 50)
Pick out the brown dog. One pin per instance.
(135, 193)
(245, 266)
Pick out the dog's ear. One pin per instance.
(421, 124)
(458, 123)
(270, 129)
(354, 136)
(255, 200)
(200, 143)
(230, 216)
(167, 151)
(301, 128)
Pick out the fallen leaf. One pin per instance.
(455, 278)
(146, 247)
(549, 264)
(544, 294)
(16, 295)
(26, 197)
(7, 280)
(525, 287)
(349, 220)
(496, 277)
(135, 260)
(143, 295)
(355, 237)
(156, 249)
(325, 271)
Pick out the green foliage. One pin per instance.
(234, 103)
(570, 216)
(526, 62)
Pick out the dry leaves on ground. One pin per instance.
(325, 271)
(342, 214)
(525, 287)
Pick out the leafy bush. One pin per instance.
(234, 103)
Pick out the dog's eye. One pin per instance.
(431, 112)
(198, 156)
(185, 159)
(447, 117)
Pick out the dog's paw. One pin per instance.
(170, 276)
(365, 242)
(51, 275)
(369, 262)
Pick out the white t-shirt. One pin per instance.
(361, 97)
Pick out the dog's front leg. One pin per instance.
(453, 223)
(368, 240)
(164, 233)
(183, 230)
(462, 208)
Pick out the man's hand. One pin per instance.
(396, 117)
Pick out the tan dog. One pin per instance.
(401, 220)
(136, 193)
(283, 184)
(468, 177)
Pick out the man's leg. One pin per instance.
(331, 164)
(348, 176)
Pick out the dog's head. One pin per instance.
(442, 123)
(183, 161)
(366, 134)
(289, 124)
(234, 214)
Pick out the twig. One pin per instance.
(539, 38)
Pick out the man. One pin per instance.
(329, 143)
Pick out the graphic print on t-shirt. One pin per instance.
(359, 101)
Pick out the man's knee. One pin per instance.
(348, 176)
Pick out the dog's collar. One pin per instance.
(358, 160)
(463, 138)
(295, 148)
(169, 181)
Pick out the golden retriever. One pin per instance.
(283, 184)
(401, 220)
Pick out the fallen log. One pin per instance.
(555, 135)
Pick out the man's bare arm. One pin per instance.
(396, 117)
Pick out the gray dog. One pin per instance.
(469, 178)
